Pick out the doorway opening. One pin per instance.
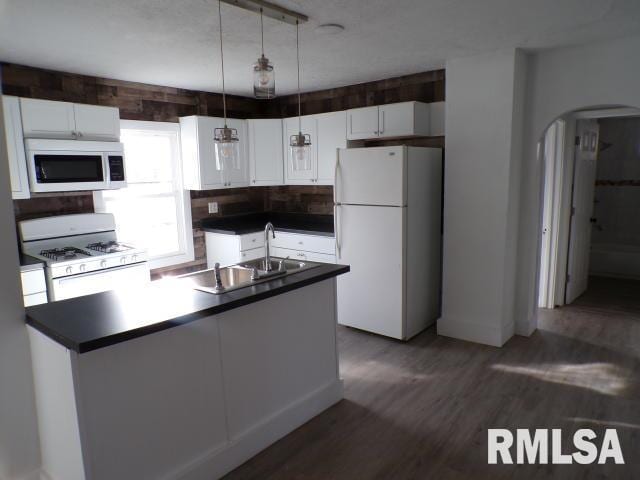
(590, 226)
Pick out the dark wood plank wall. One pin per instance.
(138, 101)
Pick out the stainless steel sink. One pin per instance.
(245, 274)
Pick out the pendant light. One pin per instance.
(227, 145)
(300, 144)
(264, 78)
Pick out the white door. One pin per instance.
(297, 173)
(362, 123)
(370, 240)
(371, 176)
(15, 148)
(332, 135)
(582, 208)
(266, 160)
(97, 123)
(397, 119)
(47, 119)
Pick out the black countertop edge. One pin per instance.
(244, 231)
(36, 316)
(28, 263)
(302, 223)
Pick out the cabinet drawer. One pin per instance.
(252, 254)
(33, 282)
(302, 255)
(35, 299)
(251, 240)
(307, 243)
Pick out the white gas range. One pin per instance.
(82, 254)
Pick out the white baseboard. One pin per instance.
(36, 474)
(527, 328)
(220, 461)
(472, 332)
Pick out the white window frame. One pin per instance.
(183, 200)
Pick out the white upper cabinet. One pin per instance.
(406, 119)
(15, 148)
(199, 166)
(47, 119)
(294, 172)
(64, 120)
(266, 156)
(362, 123)
(332, 135)
(97, 123)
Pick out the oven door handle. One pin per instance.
(63, 280)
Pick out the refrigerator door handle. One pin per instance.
(335, 176)
(336, 218)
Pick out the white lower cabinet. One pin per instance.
(34, 287)
(228, 249)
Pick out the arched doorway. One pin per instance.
(568, 152)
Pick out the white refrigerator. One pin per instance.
(388, 229)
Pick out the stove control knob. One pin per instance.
(69, 270)
(103, 264)
(83, 267)
(123, 260)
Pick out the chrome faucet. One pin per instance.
(267, 256)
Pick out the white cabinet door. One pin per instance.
(97, 123)
(332, 135)
(266, 159)
(252, 254)
(396, 119)
(47, 119)
(362, 123)
(294, 175)
(199, 166)
(238, 173)
(15, 148)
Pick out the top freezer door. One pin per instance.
(372, 176)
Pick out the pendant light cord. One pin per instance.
(224, 95)
(298, 59)
(262, 31)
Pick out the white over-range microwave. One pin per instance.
(72, 165)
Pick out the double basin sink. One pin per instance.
(245, 274)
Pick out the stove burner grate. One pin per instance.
(66, 253)
(108, 247)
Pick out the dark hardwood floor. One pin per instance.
(421, 409)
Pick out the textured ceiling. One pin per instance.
(175, 43)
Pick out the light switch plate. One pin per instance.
(213, 207)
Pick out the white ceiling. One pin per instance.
(175, 43)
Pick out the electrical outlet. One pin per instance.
(213, 207)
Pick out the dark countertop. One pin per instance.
(307, 224)
(96, 321)
(28, 263)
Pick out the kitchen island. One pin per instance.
(167, 382)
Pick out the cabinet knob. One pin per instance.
(80, 134)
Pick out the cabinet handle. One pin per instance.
(382, 126)
(80, 134)
(74, 134)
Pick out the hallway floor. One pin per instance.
(421, 409)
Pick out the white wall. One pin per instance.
(484, 119)
(19, 450)
(559, 81)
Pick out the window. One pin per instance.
(154, 210)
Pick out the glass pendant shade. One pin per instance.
(264, 79)
(227, 149)
(300, 147)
